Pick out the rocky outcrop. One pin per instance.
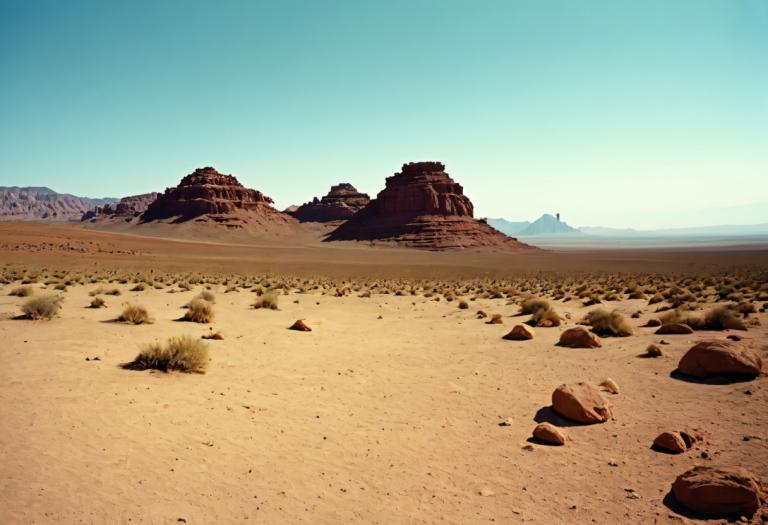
(718, 491)
(341, 203)
(32, 203)
(581, 402)
(422, 207)
(579, 337)
(209, 196)
(720, 358)
(127, 207)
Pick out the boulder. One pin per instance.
(520, 332)
(341, 203)
(719, 357)
(674, 329)
(579, 337)
(581, 402)
(300, 326)
(675, 442)
(718, 491)
(653, 323)
(549, 433)
(422, 207)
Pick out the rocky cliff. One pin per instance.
(422, 207)
(35, 203)
(125, 208)
(341, 203)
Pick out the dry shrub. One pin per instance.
(98, 302)
(135, 314)
(43, 307)
(608, 323)
(267, 300)
(216, 336)
(139, 287)
(104, 291)
(463, 305)
(534, 305)
(199, 311)
(717, 318)
(184, 354)
(547, 319)
(205, 295)
(22, 291)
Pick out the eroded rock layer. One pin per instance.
(209, 196)
(422, 207)
(127, 207)
(341, 203)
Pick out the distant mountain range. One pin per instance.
(41, 203)
(544, 225)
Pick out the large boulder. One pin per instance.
(422, 207)
(674, 329)
(579, 337)
(581, 402)
(720, 357)
(341, 203)
(520, 332)
(718, 491)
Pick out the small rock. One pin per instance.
(549, 433)
(520, 332)
(653, 351)
(300, 326)
(610, 385)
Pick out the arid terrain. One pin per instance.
(402, 405)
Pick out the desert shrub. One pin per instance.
(184, 354)
(22, 291)
(547, 318)
(463, 305)
(139, 287)
(608, 323)
(101, 290)
(134, 314)
(43, 307)
(62, 287)
(657, 298)
(534, 305)
(717, 318)
(199, 311)
(267, 300)
(205, 295)
(636, 294)
(98, 302)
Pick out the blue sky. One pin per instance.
(614, 113)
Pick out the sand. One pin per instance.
(389, 411)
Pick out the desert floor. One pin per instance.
(389, 411)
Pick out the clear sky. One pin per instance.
(621, 113)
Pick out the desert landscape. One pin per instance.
(276, 377)
(399, 263)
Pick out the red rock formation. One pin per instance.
(209, 196)
(423, 207)
(341, 203)
(127, 207)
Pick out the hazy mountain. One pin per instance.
(728, 229)
(509, 227)
(40, 203)
(546, 225)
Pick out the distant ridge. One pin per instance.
(545, 225)
(34, 203)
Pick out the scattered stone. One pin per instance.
(548, 433)
(718, 491)
(675, 442)
(481, 314)
(652, 323)
(300, 326)
(581, 402)
(674, 329)
(610, 385)
(717, 357)
(579, 337)
(495, 319)
(653, 351)
(486, 492)
(520, 332)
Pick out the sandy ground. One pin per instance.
(363, 420)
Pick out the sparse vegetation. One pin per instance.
(267, 300)
(199, 311)
(43, 307)
(184, 354)
(22, 291)
(98, 302)
(608, 323)
(135, 314)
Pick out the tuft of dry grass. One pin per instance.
(185, 354)
(43, 307)
(101, 290)
(608, 323)
(22, 291)
(98, 302)
(542, 312)
(267, 300)
(199, 311)
(717, 318)
(135, 314)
